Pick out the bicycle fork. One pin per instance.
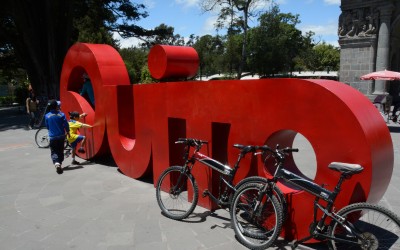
(258, 206)
(176, 189)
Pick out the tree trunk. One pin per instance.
(43, 32)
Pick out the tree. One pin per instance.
(237, 12)
(164, 34)
(134, 59)
(209, 48)
(41, 32)
(275, 43)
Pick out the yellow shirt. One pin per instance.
(74, 127)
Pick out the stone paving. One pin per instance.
(94, 206)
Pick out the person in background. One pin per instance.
(87, 88)
(396, 104)
(31, 108)
(74, 137)
(58, 127)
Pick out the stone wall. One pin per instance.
(365, 31)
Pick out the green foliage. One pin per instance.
(164, 35)
(38, 34)
(36, 46)
(145, 76)
(6, 100)
(209, 49)
(21, 93)
(134, 59)
(275, 43)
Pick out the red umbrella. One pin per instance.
(382, 75)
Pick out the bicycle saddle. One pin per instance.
(346, 168)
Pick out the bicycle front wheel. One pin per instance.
(177, 193)
(42, 138)
(257, 221)
(276, 191)
(378, 228)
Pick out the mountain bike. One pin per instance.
(177, 190)
(355, 226)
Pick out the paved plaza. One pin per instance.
(94, 206)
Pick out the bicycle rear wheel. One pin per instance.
(256, 228)
(177, 193)
(379, 228)
(42, 138)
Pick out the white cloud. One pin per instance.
(325, 30)
(150, 4)
(127, 42)
(332, 2)
(334, 43)
(208, 26)
(187, 3)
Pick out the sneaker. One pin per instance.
(58, 168)
(81, 150)
(75, 162)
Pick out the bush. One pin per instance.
(6, 100)
(21, 93)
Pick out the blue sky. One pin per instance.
(319, 16)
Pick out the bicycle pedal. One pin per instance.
(293, 245)
(205, 193)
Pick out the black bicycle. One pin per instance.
(177, 190)
(355, 226)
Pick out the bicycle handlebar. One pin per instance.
(244, 149)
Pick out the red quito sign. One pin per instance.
(139, 124)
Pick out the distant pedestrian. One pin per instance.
(32, 108)
(74, 137)
(87, 88)
(396, 104)
(58, 127)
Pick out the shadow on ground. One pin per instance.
(13, 118)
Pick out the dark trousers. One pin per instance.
(57, 150)
(396, 104)
(32, 116)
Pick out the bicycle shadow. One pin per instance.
(280, 244)
(80, 166)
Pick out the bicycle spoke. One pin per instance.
(177, 193)
(256, 228)
(377, 228)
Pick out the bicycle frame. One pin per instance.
(320, 193)
(227, 173)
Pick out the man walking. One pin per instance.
(58, 127)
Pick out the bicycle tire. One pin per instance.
(176, 204)
(262, 180)
(259, 229)
(42, 138)
(379, 226)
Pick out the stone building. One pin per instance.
(369, 37)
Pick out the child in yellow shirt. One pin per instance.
(74, 137)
